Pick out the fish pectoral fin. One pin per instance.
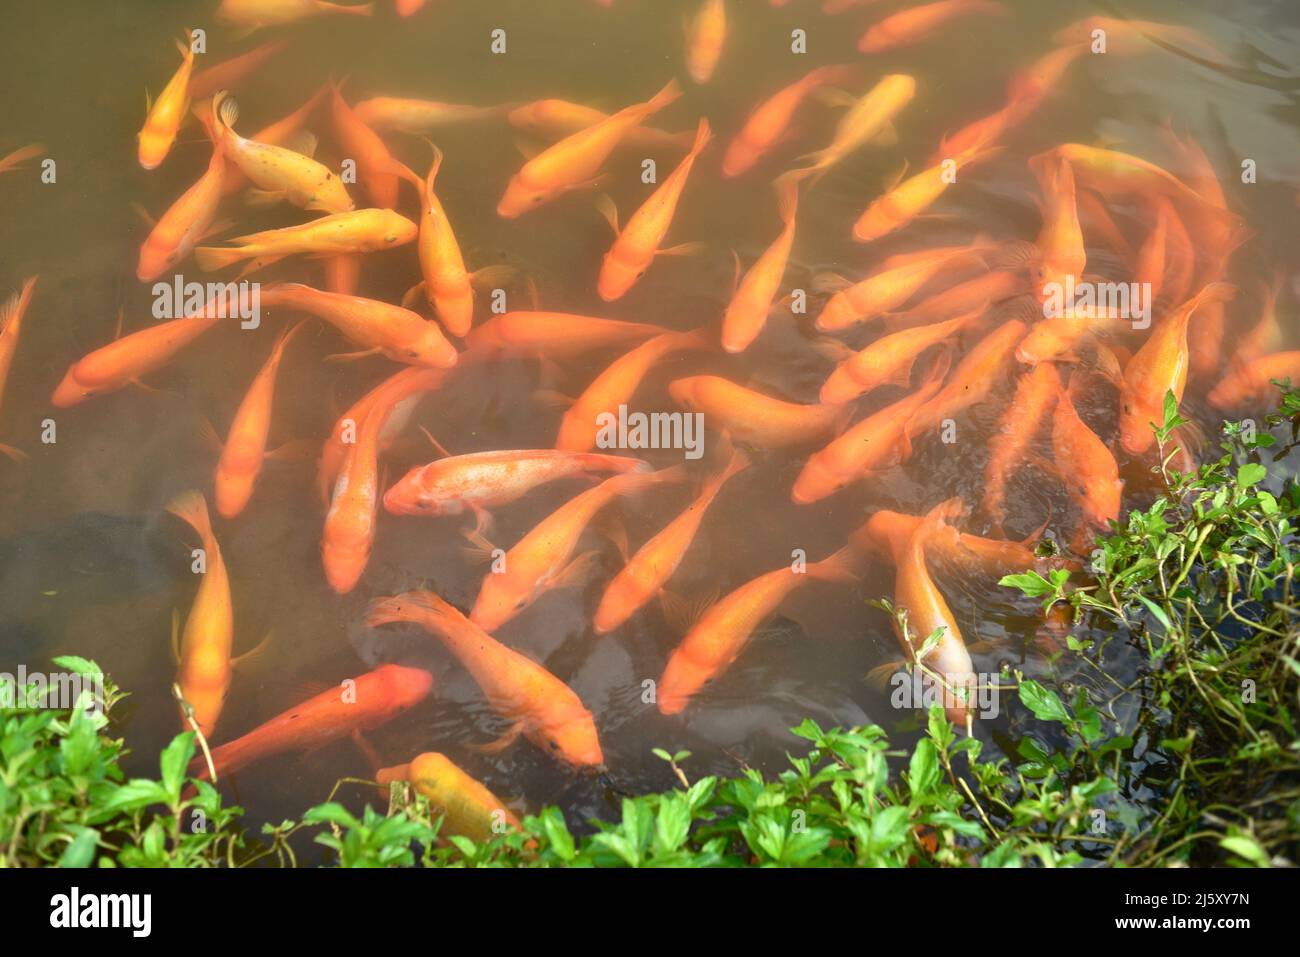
(144, 215)
(612, 527)
(498, 745)
(682, 613)
(254, 653)
(16, 455)
(833, 96)
(489, 277)
(888, 136)
(576, 572)
(1044, 463)
(411, 298)
(880, 675)
(902, 374)
(263, 197)
(527, 148)
(353, 356)
(303, 142)
(437, 446)
(482, 520)
(295, 450)
(209, 435)
(552, 398)
(367, 751)
(683, 249)
(217, 228)
(605, 206)
(153, 391)
(479, 549)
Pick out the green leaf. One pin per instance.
(174, 760)
(1251, 474)
(1044, 703)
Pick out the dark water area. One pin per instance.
(90, 564)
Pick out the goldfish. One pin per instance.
(915, 23)
(409, 8)
(12, 313)
(554, 335)
(482, 480)
(1149, 269)
(614, 387)
(205, 644)
(1158, 368)
(540, 706)
(185, 223)
(754, 418)
(405, 115)
(869, 118)
(714, 642)
(363, 703)
(1251, 380)
(927, 612)
(1030, 86)
(467, 807)
(889, 359)
(277, 171)
(751, 302)
(343, 273)
(769, 123)
(123, 361)
(908, 199)
(1036, 392)
(245, 448)
(978, 373)
(888, 287)
(540, 560)
(377, 171)
(575, 161)
(984, 290)
(1121, 35)
(379, 327)
(349, 533)
(249, 15)
(1060, 241)
(886, 533)
(877, 442)
(228, 74)
(1060, 337)
(981, 134)
(12, 161)
(637, 245)
(705, 38)
(165, 116)
(647, 572)
(358, 231)
(555, 119)
(1085, 465)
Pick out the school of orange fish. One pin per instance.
(949, 326)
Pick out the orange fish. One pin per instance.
(889, 359)
(409, 8)
(722, 632)
(1086, 466)
(554, 335)
(916, 23)
(615, 386)
(1251, 381)
(185, 223)
(556, 119)
(359, 231)
(889, 286)
(979, 293)
(978, 373)
(1122, 36)
(540, 560)
(12, 161)
(705, 37)
(886, 533)
(1060, 241)
(467, 807)
(166, 115)
(277, 171)
(540, 706)
(638, 244)
(647, 572)
(482, 480)
(751, 302)
(1158, 368)
(877, 442)
(575, 161)
(770, 121)
(1035, 82)
(754, 418)
(379, 327)
(11, 324)
(245, 448)
(387, 113)
(349, 532)
(869, 118)
(228, 74)
(249, 15)
(907, 200)
(1036, 391)
(377, 171)
(981, 134)
(205, 665)
(368, 701)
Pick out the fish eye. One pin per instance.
(537, 198)
(555, 745)
(413, 354)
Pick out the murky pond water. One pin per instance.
(91, 564)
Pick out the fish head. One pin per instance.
(683, 678)
(345, 552)
(571, 736)
(70, 392)
(403, 686)
(817, 480)
(740, 158)
(232, 490)
(408, 497)
(155, 259)
(1101, 498)
(617, 276)
(498, 601)
(153, 147)
(428, 348)
(1135, 433)
(519, 198)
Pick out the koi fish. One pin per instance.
(754, 418)
(1060, 241)
(978, 293)
(165, 116)
(1158, 368)
(204, 671)
(13, 161)
(1085, 465)
(1251, 380)
(554, 335)
(540, 706)
(916, 23)
(887, 288)
(228, 74)
(185, 223)
(886, 533)
(556, 119)
(385, 114)
(379, 327)
(1036, 391)
(467, 807)
(770, 121)
(277, 171)
(904, 202)
(359, 231)
(574, 162)
(482, 480)
(879, 441)
(369, 701)
(11, 323)
(540, 560)
(637, 245)
(978, 373)
(705, 38)
(751, 302)
(723, 631)
(376, 169)
(245, 448)
(867, 119)
(409, 8)
(615, 386)
(647, 572)
(249, 15)
(349, 533)
(889, 359)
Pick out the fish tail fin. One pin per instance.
(787, 194)
(14, 454)
(214, 258)
(671, 92)
(844, 565)
(411, 606)
(192, 508)
(20, 155)
(285, 337)
(703, 134)
(15, 307)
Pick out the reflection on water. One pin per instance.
(90, 565)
